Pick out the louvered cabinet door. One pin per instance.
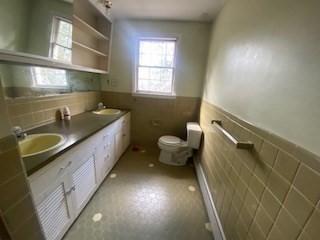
(54, 211)
(84, 183)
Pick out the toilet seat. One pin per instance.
(172, 144)
(170, 141)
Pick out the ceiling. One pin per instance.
(183, 10)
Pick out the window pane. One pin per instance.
(156, 53)
(156, 66)
(61, 46)
(61, 53)
(47, 77)
(155, 79)
(64, 34)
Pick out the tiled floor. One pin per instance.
(144, 202)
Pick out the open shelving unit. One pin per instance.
(91, 36)
(77, 44)
(79, 23)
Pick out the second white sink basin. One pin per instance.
(40, 143)
(108, 111)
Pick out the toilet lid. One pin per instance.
(170, 140)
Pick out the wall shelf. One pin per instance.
(78, 22)
(29, 59)
(91, 35)
(89, 49)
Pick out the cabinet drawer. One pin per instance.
(43, 178)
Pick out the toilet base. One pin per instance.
(175, 158)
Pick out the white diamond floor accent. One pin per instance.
(97, 217)
(192, 188)
(113, 175)
(151, 165)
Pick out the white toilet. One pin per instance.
(175, 151)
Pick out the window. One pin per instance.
(61, 40)
(49, 78)
(155, 66)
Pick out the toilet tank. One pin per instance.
(194, 135)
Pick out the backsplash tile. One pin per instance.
(275, 187)
(36, 111)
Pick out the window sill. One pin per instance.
(154, 95)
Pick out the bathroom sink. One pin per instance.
(108, 111)
(40, 143)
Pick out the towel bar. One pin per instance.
(238, 144)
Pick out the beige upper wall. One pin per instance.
(264, 66)
(193, 38)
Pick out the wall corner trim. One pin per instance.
(217, 229)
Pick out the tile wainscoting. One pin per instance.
(36, 111)
(270, 192)
(16, 204)
(151, 117)
(155, 117)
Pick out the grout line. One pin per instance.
(28, 194)
(12, 177)
(281, 207)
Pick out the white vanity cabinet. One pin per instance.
(63, 188)
(122, 136)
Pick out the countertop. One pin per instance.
(79, 128)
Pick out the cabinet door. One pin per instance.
(54, 210)
(84, 183)
(125, 136)
(100, 157)
(109, 159)
(118, 145)
(125, 129)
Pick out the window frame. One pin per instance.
(54, 37)
(154, 94)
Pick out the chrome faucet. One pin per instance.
(19, 133)
(100, 106)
